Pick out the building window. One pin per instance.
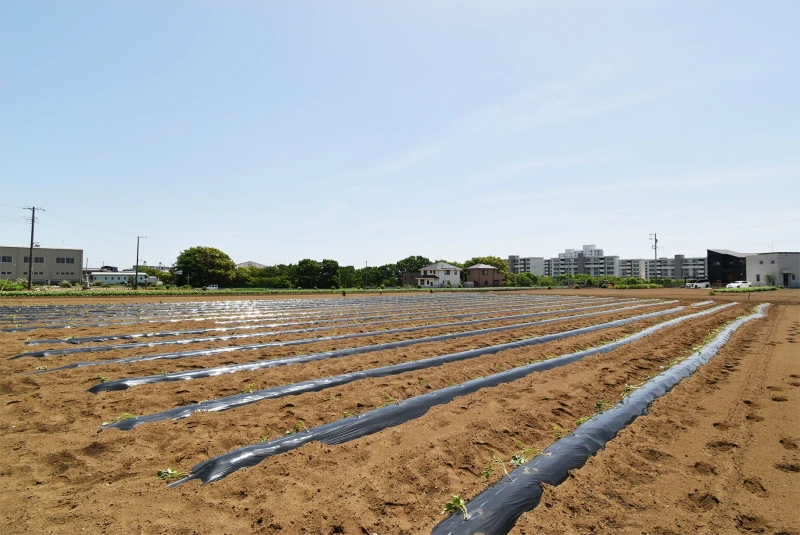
(771, 261)
(485, 271)
(447, 272)
(760, 261)
(6, 259)
(758, 278)
(38, 260)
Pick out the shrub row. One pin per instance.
(751, 289)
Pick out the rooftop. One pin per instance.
(439, 265)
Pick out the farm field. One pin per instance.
(398, 402)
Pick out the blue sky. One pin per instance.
(361, 131)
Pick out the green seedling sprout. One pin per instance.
(499, 461)
(169, 473)
(601, 405)
(558, 431)
(102, 379)
(41, 368)
(456, 503)
(249, 389)
(296, 428)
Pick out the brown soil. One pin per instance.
(674, 470)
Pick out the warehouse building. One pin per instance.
(51, 265)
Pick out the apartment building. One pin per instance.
(51, 265)
(677, 268)
(528, 264)
(588, 261)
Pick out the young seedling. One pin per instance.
(41, 368)
(249, 389)
(456, 503)
(102, 379)
(264, 438)
(487, 472)
(389, 399)
(558, 431)
(498, 460)
(601, 405)
(169, 474)
(296, 428)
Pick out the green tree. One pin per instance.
(524, 279)
(769, 279)
(205, 265)
(164, 276)
(307, 273)
(346, 277)
(327, 274)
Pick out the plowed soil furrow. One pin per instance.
(673, 471)
(720, 454)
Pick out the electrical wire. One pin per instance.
(729, 229)
(81, 223)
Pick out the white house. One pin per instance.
(117, 277)
(784, 269)
(438, 275)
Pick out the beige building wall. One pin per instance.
(49, 264)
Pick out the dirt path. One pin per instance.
(719, 454)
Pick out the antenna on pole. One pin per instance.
(30, 254)
(655, 248)
(136, 276)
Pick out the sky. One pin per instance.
(372, 131)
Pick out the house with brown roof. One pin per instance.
(484, 275)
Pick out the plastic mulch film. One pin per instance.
(361, 320)
(184, 341)
(122, 384)
(315, 385)
(376, 420)
(497, 509)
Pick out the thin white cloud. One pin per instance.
(402, 162)
(580, 96)
(690, 180)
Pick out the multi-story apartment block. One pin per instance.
(51, 265)
(679, 267)
(589, 261)
(528, 264)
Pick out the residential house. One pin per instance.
(784, 268)
(439, 275)
(481, 275)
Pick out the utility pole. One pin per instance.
(30, 254)
(655, 248)
(136, 277)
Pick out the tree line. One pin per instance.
(200, 266)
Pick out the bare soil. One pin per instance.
(719, 454)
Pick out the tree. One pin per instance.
(346, 277)
(205, 265)
(496, 261)
(525, 279)
(769, 279)
(164, 276)
(307, 273)
(327, 274)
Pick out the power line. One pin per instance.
(730, 229)
(88, 225)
